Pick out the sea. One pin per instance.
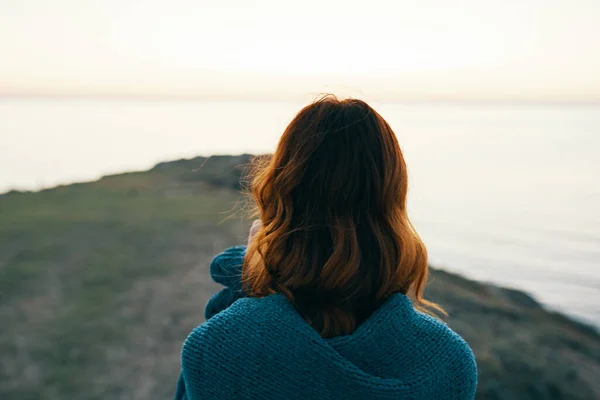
(502, 193)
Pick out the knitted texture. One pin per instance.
(226, 269)
(261, 348)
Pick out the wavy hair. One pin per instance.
(335, 237)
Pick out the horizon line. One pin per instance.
(199, 97)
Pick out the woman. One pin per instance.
(318, 305)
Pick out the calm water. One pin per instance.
(503, 194)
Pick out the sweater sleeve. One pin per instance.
(180, 391)
(226, 269)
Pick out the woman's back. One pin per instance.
(261, 348)
(326, 277)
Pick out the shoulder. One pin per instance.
(245, 317)
(442, 336)
(237, 333)
(449, 350)
(437, 329)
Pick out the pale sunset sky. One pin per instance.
(426, 49)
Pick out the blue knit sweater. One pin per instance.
(261, 348)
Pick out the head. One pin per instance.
(335, 235)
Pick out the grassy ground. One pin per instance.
(101, 282)
(94, 277)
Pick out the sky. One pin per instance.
(461, 49)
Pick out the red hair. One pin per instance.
(335, 236)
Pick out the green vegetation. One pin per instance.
(81, 267)
(101, 282)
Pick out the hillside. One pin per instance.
(101, 282)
